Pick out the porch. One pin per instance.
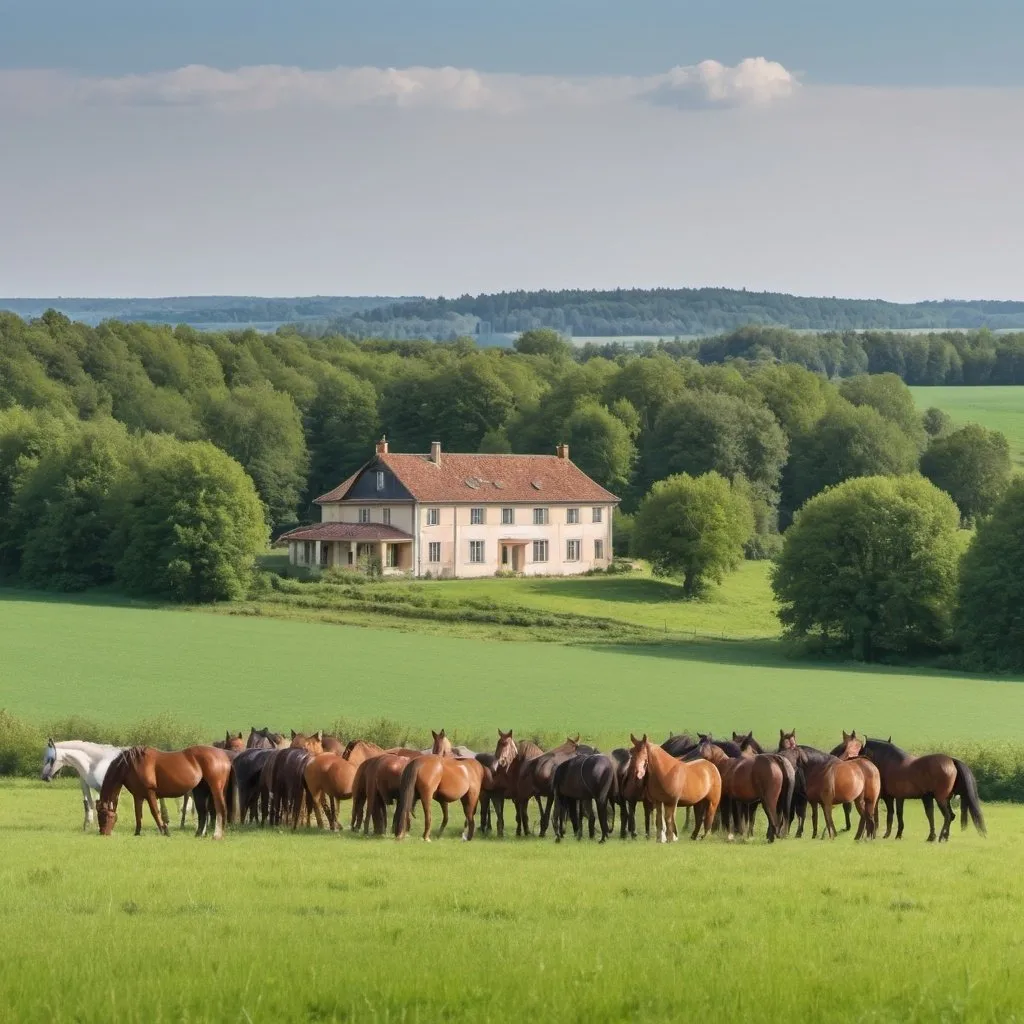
(358, 547)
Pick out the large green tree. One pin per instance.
(601, 445)
(694, 528)
(990, 602)
(543, 341)
(870, 566)
(889, 396)
(972, 465)
(189, 523)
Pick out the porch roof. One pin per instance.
(346, 531)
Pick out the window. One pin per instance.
(433, 516)
(476, 517)
(476, 550)
(572, 550)
(380, 480)
(572, 515)
(598, 549)
(434, 551)
(540, 517)
(364, 515)
(391, 556)
(385, 517)
(508, 516)
(540, 550)
(596, 517)
(325, 554)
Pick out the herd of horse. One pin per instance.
(275, 780)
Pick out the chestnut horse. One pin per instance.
(358, 751)
(376, 784)
(796, 754)
(444, 779)
(328, 776)
(313, 742)
(150, 774)
(669, 782)
(934, 778)
(748, 778)
(830, 780)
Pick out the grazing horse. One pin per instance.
(577, 782)
(328, 776)
(536, 778)
(90, 762)
(747, 778)
(358, 751)
(792, 751)
(933, 779)
(264, 739)
(669, 782)
(149, 774)
(631, 792)
(445, 780)
(830, 780)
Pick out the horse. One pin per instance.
(578, 781)
(376, 784)
(631, 792)
(536, 777)
(934, 778)
(748, 747)
(443, 779)
(669, 782)
(247, 770)
(507, 769)
(357, 751)
(747, 778)
(264, 739)
(230, 743)
(90, 762)
(281, 784)
(332, 744)
(149, 774)
(313, 742)
(830, 780)
(679, 744)
(442, 746)
(331, 776)
(792, 751)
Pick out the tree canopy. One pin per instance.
(972, 465)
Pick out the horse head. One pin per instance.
(853, 746)
(106, 816)
(639, 758)
(442, 745)
(52, 761)
(787, 740)
(708, 749)
(505, 752)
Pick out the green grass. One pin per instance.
(273, 927)
(117, 664)
(998, 408)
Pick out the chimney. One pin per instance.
(382, 446)
(562, 451)
(435, 452)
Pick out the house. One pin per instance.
(461, 515)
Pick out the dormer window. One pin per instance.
(380, 480)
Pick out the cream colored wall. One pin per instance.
(455, 531)
(348, 512)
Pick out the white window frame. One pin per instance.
(540, 517)
(573, 550)
(599, 550)
(364, 515)
(540, 547)
(572, 516)
(433, 517)
(508, 517)
(434, 552)
(385, 516)
(477, 552)
(597, 515)
(477, 516)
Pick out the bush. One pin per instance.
(870, 567)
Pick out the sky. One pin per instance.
(404, 147)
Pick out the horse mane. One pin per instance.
(118, 770)
(728, 747)
(752, 744)
(886, 747)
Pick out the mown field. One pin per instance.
(998, 408)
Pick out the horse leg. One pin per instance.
(138, 815)
(444, 819)
(814, 820)
(929, 809)
(861, 804)
(846, 811)
(648, 811)
(425, 800)
(220, 809)
(830, 825)
(948, 815)
(86, 804)
(899, 818)
(184, 810)
(660, 821)
(545, 815)
(499, 813)
(888, 816)
(154, 809)
(602, 816)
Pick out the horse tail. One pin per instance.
(967, 789)
(406, 796)
(231, 798)
(788, 790)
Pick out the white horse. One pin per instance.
(89, 760)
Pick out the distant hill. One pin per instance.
(664, 312)
(204, 310)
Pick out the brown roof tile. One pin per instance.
(344, 531)
(486, 478)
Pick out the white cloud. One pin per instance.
(271, 86)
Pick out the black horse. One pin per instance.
(246, 770)
(679, 745)
(582, 781)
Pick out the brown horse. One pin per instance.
(264, 739)
(669, 783)
(313, 742)
(934, 779)
(229, 742)
(331, 777)
(501, 778)
(631, 792)
(376, 784)
(150, 774)
(536, 776)
(282, 783)
(442, 745)
(358, 751)
(830, 780)
(747, 779)
(444, 779)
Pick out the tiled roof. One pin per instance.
(344, 531)
(486, 478)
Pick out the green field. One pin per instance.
(998, 408)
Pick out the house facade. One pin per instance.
(457, 515)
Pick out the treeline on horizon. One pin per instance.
(664, 312)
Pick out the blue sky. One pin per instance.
(441, 146)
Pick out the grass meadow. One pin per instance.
(999, 408)
(270, 926)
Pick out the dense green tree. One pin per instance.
(543, 341)
(601, 445)
(648, 384)
(869, 567)
(693, 527)
(797, 397)
(936, 423)
(972, 465)
(495, 442)
(261, 428)
(189, 523)
(887, 394)
(849, 441)
(990, 602)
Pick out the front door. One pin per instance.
(504, 554)
(515, 558)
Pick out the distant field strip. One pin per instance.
(998, 408)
